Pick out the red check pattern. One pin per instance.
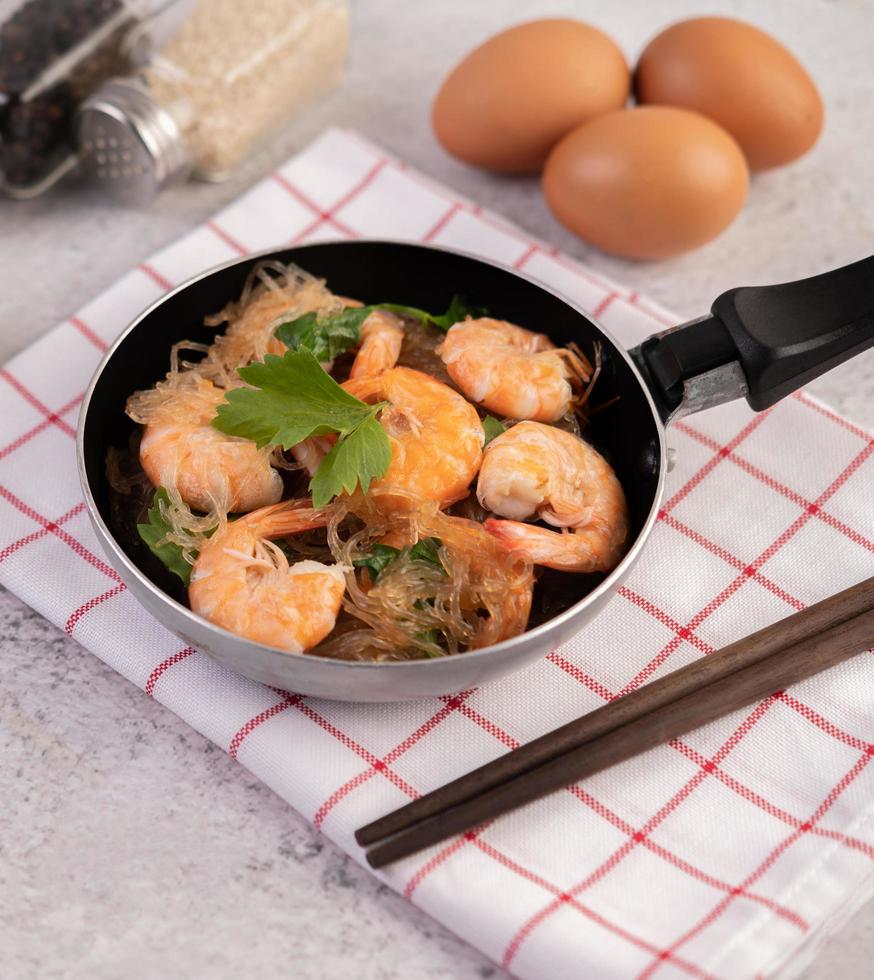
(721, 854)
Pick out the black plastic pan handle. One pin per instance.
(761, 342)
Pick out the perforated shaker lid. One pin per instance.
(128, 143)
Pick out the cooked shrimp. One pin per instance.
(501, 590)
(243, 582)
(512, 371)
(538, 471)
(210, 470)
(382, 336)
(436, 437)
(310, 453)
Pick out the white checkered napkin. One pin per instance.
(725, 853)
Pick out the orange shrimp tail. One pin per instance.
(580, 551)
(382, 336)
(513, 535)
(288, 517)
(365, 387)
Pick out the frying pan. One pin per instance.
(758, 343)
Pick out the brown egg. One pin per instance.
(646, 183)
(741, 78)
(511, 99)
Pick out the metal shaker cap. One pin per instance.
(128, 143)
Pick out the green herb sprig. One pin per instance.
(155, 532)
(292, 398)
(328, 336)
(378, 560)
(431, 639)
(382, 555)
(459, 309)
(426, 550)
(492, 428)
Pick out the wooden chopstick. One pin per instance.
(744, 653)
(752, 668)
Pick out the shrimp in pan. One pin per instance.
(243, 582)
(382, 335)
(512, 371)
(503, 589)
(310, 453)
(210, 470)
(436, 437)
(536, 471)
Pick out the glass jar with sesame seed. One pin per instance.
(228, 77)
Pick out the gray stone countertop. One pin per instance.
(131, 846)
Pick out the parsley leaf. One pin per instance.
(492, 428)
(381, 556)
(424, 550)
(156, 531)
(459, 308)
(427, 550)
(293, 398)
(326, 337)
(431, 638)
(361, 457)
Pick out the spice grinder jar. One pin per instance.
(228, 77)
(53, 53)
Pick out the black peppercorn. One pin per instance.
(38, 94)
